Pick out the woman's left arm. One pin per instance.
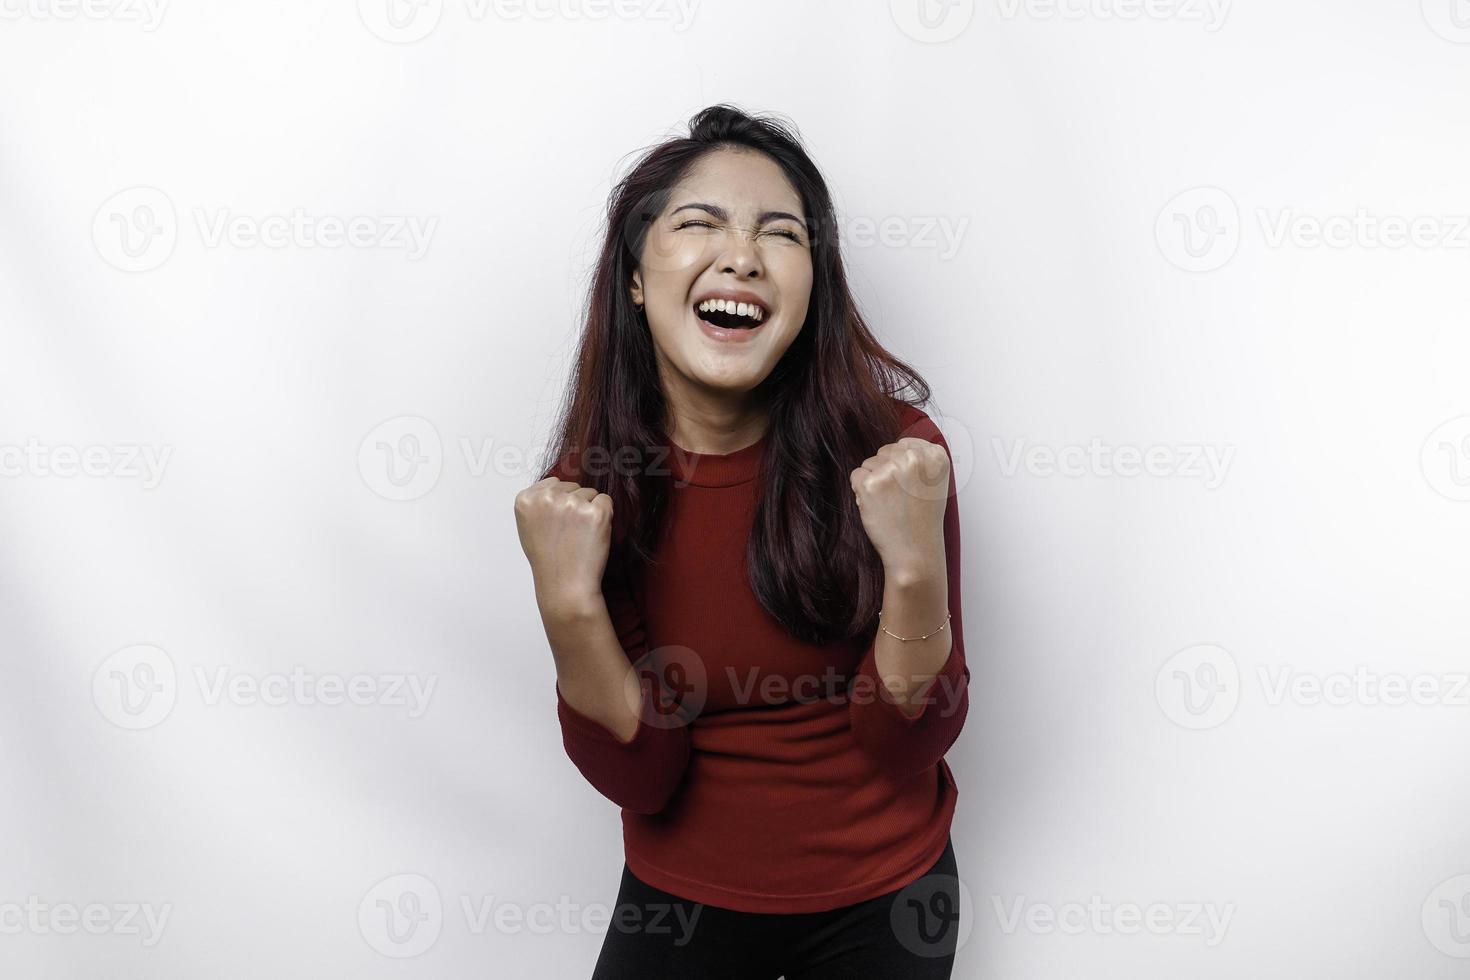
(909, 699)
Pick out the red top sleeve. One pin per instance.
(903, 745)
(640, 775)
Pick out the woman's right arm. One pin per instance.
(596, 638)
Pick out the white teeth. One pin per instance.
(730, 306)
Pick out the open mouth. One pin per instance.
(729, 315)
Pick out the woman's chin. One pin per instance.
(734, 379)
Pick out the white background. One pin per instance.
(1054, 144)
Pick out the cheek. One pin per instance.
(670, 254)
(667, 329)
(794, 278)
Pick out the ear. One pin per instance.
(636, 290)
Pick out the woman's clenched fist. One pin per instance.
(565, 531)
(901, 492)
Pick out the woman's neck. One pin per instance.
(714, 424)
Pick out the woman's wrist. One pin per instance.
(915, 571)
(561, 605)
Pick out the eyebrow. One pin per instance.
(723, 215)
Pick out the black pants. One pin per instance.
(907, 934)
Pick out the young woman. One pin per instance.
(747, 562)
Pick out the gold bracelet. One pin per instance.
(905, 639)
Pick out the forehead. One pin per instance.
(738, 180)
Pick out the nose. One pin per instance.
(741, 258)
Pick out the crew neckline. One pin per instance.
(716, 469)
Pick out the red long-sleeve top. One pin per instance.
(788, 788)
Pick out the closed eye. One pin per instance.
(694, 223)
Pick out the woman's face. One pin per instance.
(734, 230)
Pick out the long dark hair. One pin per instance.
(834, 399)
